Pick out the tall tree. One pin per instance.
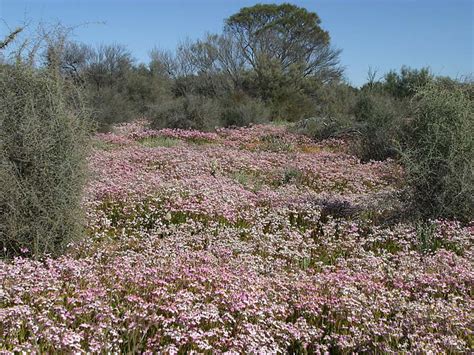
(285, 34)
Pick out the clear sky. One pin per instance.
(382, 34)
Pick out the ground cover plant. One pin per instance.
(230, 241)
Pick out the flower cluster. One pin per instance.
(257, 241)
(191, 135)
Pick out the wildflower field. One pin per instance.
(251, 240)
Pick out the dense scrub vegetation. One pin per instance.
(44, 129)
(439, 158)
(242, 197)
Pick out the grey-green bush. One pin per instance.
(244, 110)
(407, 82)
(187, 112)
(333, 112)
(379, 119)
(109, 107)
(324, 127)
(43, 135)
(439, 160)
(335, 100)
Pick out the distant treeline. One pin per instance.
(270, 63)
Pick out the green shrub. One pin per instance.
(242, 111)
(144, 89)
(379, 119)
(43, 135)
(285, 92)
(319, 128)
(336, 100)
(187, 112)
(333, 112)
(290, 104)
(439, 159)
(109, 106)
(407, 82)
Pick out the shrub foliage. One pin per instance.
(379, 118)
(439, 161)
(43, 132)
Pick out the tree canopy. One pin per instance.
(286, 34)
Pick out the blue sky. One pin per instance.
(382, 34)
